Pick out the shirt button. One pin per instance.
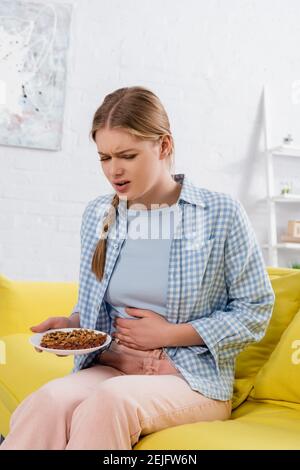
(116, 246)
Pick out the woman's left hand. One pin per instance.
(149, 331)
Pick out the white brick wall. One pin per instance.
(206, 60)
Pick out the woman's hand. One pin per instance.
(56, 322)
(149, 331)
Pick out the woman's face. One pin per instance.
(127, 158)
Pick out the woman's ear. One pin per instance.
(165, 145)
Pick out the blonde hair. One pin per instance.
(139, 111)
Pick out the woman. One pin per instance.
(179, 307)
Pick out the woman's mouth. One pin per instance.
(121, 187)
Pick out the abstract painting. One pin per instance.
(34, 40)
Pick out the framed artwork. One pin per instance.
(34, 40)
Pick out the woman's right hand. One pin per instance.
(56, 322)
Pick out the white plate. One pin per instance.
(36, 339)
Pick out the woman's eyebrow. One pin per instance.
(119, 153)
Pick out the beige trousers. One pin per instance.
(110, 405)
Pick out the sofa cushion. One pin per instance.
(279, 378)
(252, 426)
(26, 370)
(285, 283)
(26, 303)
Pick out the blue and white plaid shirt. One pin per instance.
(217, 282)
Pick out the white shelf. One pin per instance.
(285, 151)
(284, 246)
(291, 198)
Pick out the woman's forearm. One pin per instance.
(183, 334)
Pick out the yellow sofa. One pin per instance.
(266, 402)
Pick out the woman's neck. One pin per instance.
(168, 197)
